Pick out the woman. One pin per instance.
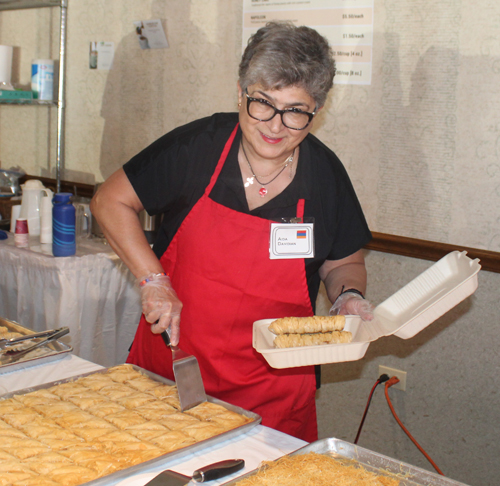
(219, 183)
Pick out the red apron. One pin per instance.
(220, 268)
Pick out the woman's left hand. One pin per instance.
(350, 303)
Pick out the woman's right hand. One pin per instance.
(161, 306)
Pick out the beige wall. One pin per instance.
(420, 143)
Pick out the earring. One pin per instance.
(239, 105)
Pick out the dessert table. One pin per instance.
(93, 293)
(254, 446)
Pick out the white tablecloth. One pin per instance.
(257, 445)
(92, 293)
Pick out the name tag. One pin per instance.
(291, 241)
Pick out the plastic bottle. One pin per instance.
(63, 225)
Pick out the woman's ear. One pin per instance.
(240, 93)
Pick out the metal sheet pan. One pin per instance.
(372, 461)
(255, 420)
(57, 349)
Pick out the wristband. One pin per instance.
(152, 277)
(353, 291)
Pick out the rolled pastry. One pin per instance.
(303, 325)
(297, 340)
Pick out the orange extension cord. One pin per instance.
(388, 384)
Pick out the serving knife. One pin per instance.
(208, 473)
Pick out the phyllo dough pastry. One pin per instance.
(87, 400)
(81, 430)
(72, 475)
(173, 440)
(11, 432)
(143, 383)
(178, 421)
(124, 419)
(155, 410)
(73, 417)
(319, 338)
(205, 410)
(106, 408)
(164, 391)
(47, 432)
(68, 389)
(8, 405)
(22, 452)
(90, 435)
(56, 409)
(96, 381)
(123, 373)
(116, 391)
(37, 481)
(20, 416)
(62, 444)
(307, 325)
(132, 458)
(229, 420)
(147, 434)
(136, 400)
(37, 397)
(202, 430)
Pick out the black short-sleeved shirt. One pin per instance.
(171, 175)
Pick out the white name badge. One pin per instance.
(291, 241)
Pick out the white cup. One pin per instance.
(46, 220)
(14, 214)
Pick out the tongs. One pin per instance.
(48, 336)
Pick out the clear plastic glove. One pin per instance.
(161, 306)
(350, 303)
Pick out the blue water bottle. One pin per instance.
(63, 225)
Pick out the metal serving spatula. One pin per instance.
(208, 473)
(187, 376)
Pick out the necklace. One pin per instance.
(263, 191)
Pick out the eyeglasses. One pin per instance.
(293, 118)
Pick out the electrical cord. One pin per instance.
(382, 378)
(388, 384)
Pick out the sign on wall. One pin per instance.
(347, 24)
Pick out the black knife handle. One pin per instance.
(218, 470)
(166, 337)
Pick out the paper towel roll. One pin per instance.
(5, 66)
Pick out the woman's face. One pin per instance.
(271, 140)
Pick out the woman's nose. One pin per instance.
(275, 123)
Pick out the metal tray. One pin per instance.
(372, 461)
(58, 350)
(124, 473)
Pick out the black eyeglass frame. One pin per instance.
(280, 112)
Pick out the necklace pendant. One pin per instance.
(262, 191)
(249, 181)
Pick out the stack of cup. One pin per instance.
(21, 236)
(14, 214)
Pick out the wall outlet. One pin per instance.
(390, 372)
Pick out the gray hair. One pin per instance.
(280, 55)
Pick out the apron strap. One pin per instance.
(300, 208)
(222, 159)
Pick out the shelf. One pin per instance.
(28, 102)
(60, 101)
(20, 4)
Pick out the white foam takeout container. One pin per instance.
(404, 314)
